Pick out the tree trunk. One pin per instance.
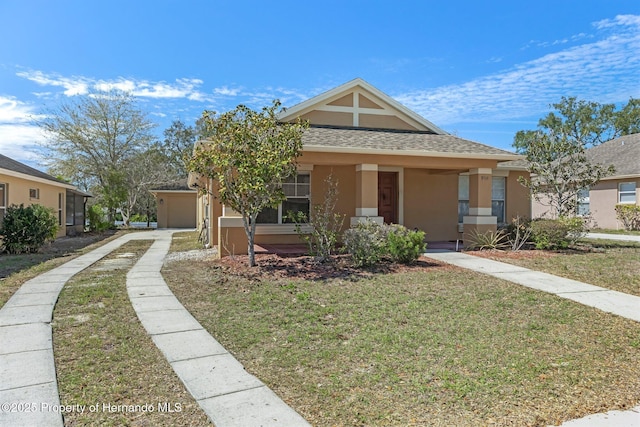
(250, 229)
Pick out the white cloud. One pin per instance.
(181, 88)
(605, 71)
(14, 111)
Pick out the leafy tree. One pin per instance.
(248, 154)
(556, 152)
(178, 146)
(559, 170)
(93, 137)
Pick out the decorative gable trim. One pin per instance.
(363, 101)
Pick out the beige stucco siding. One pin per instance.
(603, 198)
(431, 203)
(50, 195)
(329, 118)
(376, 121)
(177, 209)
(518, 202)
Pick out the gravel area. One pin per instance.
(196, 254)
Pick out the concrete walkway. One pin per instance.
(28, 387)
(224, 390)
(623, 237)
(614, 302)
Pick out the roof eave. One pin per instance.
(418, 153)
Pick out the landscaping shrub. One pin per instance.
(488, 240)
(576, 227)
(323, 228)
(404, 245)
(518, 232)
(629, 216)
(366, 243)
(27, 229)
(97, 220)
(549, 234)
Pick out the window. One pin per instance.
(34, 193)
(3, 201)
(297, 189)
(60, 206)
(463, 197)
(627, 192)
(498, 192)
(497, 198)
(583, 202)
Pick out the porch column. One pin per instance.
(479, 219)
(366, 194)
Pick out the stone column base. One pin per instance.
(478, 225)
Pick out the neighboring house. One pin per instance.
(600, 200)
(176, 205)
(22, 184)
(392, 166)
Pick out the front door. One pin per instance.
(388, 196)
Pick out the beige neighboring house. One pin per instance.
(620, 188)
(22, 184)
(176, 205)
(392, 166)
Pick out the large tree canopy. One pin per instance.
(556, 151)
(93, 138)
(248, 154)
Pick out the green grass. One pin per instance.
(611, 231)
(104, 356)
(611, 264)
(427, 346)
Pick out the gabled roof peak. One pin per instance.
(325, 100)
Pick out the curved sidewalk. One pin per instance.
(614, 302)
(228, 394)
(28, 387)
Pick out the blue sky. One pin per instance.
(479, 69)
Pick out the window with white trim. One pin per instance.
(627, 192)
(60, 207)
(463, 197)
(3, 201)
(583, 202)
(297, 189)
(498, 192)
(34, 193)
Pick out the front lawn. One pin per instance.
(611, 264)
(429, 345)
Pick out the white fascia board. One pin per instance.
(36, 179)
(351, 150)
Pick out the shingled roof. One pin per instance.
(623, 153)
(320, 138)
(15, 166)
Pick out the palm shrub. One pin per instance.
(25, 229)
(488, 240)
(404, 245)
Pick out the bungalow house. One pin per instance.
(22, 184)
(392, 166)
(176, 204)
(600, 200)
